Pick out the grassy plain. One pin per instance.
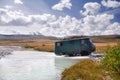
(47, 44)
(41, 44)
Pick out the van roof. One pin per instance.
(73, 39)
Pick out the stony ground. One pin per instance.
(6, 50)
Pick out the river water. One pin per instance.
(34, 65)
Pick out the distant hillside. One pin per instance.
(95, 39)
(99, 39)
(106, 38)
(26, 36)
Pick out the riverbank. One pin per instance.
(7, 50)
(85, 70)
(41, 47)
(89, 70)
(108, 68)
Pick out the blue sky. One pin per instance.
(60, 17)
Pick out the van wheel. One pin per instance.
(84, 53)
(59, 54)
(69, 55)
(77, 54)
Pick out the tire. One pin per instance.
(84, 53)
(69, 54)
(58, 54)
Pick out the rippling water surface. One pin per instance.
(34, 65)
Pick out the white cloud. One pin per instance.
(96, 24)
(112, 29)
(91, 8)
(15, 22)
(110, 3)
(17, 18)
(9, 17)
(8, 7)
(62, 4)
(18, 2)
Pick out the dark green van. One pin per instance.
(74, 47)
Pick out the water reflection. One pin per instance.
(62, 63)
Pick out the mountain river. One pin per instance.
(34, 65)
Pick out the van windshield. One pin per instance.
(90, 41)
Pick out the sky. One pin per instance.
(60, 18)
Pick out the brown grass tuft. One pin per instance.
(41, 47)
(85, 70)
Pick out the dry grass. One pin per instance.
(101, 47)
(85, 70)
(35, 43)
(41, 47)
(44, 44)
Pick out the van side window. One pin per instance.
(60, 44)
(82, 41)
(72, 42)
